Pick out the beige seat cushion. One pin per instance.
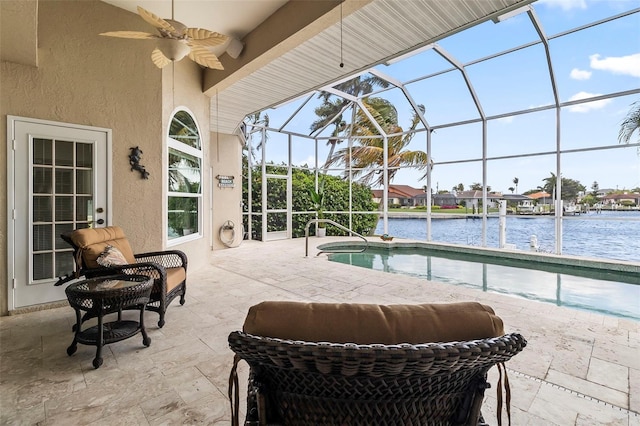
(175, 276)
(93, 241)
(370, 324)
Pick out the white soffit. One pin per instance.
(373, 34)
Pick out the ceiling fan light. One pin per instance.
(173, 49)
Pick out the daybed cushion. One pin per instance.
(371, 324)
(94, 241)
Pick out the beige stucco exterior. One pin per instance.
(86, 79)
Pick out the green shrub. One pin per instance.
(336, 199)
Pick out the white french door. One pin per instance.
(58, 180)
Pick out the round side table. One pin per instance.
(104, 295)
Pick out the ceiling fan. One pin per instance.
(175, 41)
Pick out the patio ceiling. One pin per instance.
(302, 42)
(372, 34)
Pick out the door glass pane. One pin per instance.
(64, 263)
(42, 209)
(42, 266)
(61, 229)
(84, 181)
(84, 155)
(84, 209)
(64, 208)
(42, 237)
(64, 181)
(64, 153)
(42, 151)
(42, 180)
(63, 169)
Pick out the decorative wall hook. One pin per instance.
(134, 160)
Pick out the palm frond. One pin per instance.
(630, 124)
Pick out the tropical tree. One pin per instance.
(252, 121)
(332, 108)
(475, 186)
(515, 182)
(511, 188)
(367, 157)
(630, 124)
(570, 188)
(459, 187)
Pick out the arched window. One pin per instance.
(184, 196)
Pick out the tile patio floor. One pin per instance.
(579, 368)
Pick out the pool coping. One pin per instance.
(600, 265)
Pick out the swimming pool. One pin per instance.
(594, 287)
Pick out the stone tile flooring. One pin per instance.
(579, 368)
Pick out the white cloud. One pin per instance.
(577, 74)
(629, 65)
(506, 120)
(565, 4)
(590, 106)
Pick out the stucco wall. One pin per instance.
(87, 79)
(226, 155)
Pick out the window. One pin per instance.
(184, 196)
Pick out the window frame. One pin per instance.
(183, 148)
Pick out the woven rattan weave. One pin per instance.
(152, 264)
(305, 383)
(105, 295)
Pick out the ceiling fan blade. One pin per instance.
(157, 21)
(204, 57)
(159, 59)
(202, 37)
(130, 34)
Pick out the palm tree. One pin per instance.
(253, 120)
(511, 188)
(367, 157)
(515, 182)
(330, 111)
(550, 185)
(630, 124)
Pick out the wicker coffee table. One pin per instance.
(105, 295)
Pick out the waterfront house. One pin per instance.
(400, 195)
(621, 200)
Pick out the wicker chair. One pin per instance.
(168, 268)
(295, 382)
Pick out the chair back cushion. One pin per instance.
(92, 242)
(373, 324)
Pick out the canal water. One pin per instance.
(608, 235)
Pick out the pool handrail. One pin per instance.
(331, 222)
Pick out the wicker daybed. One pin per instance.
(324, 382)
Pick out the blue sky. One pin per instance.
(593, 62)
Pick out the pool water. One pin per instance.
(610, 293)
